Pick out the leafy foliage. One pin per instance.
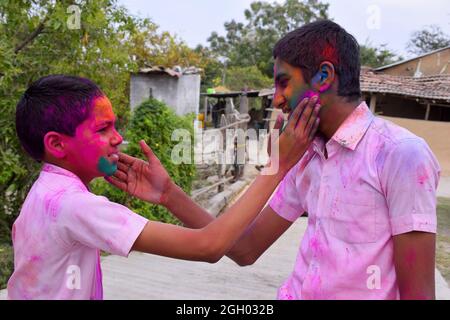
(429, 39)
(377, 57)
(240, 78)
(154, 122)
(251, 44)
(35, 40)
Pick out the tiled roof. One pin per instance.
(431, 87)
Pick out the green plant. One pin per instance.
(154, 122)
(6, 264)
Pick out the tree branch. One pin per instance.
(32, 36)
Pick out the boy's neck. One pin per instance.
(70, 168)
(333, 115)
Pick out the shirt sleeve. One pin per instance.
(286, 201)
(409, 178)
(96, 222)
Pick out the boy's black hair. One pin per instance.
(53, 103)
(310, 45)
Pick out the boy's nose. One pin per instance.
(117, 139)
(278, 101)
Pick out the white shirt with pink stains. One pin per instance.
(58, 235)
(378, 181)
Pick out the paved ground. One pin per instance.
(144, 276)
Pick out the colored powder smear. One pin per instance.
(106, 167)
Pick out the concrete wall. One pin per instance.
(436, 134)
(437, 63)
(181, 94)
(189, 94)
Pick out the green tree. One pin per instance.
(241, 78)
(36, 40)
(429, 39)
(377, 57)
(154, 122)
(251, 44)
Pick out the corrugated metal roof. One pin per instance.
(173, 72)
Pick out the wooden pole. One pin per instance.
(373, 103)
(427, 114)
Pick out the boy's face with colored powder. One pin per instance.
(93, 152)
(290, 86)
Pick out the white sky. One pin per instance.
(380, 21)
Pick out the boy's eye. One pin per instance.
(102, 129)
(283, 83)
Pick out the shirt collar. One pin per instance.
(354, 127)
(53, 169)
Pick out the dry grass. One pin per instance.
(443, 238)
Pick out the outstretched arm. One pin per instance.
(211, 242)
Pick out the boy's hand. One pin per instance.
(299, 132)
(147, 181)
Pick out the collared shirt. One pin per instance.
(58, 235)
(379, 180)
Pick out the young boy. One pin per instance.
(68, 123)
(368, 186)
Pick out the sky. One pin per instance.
(389, 22)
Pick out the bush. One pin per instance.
(154, 122)
(6, 264)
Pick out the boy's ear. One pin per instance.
(54, 144)
(324, 79)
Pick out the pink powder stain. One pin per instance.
(35, 259)
(422, 175)
(349, 170)
(306, 183)
(335, 207)
(315, 282)
(315, 246)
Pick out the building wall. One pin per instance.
(189, 94)
(434, 64)
(163, 87)
(435, 134)
(181, 94)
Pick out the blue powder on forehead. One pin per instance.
(106, 167)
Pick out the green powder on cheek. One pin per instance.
(106, 167)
